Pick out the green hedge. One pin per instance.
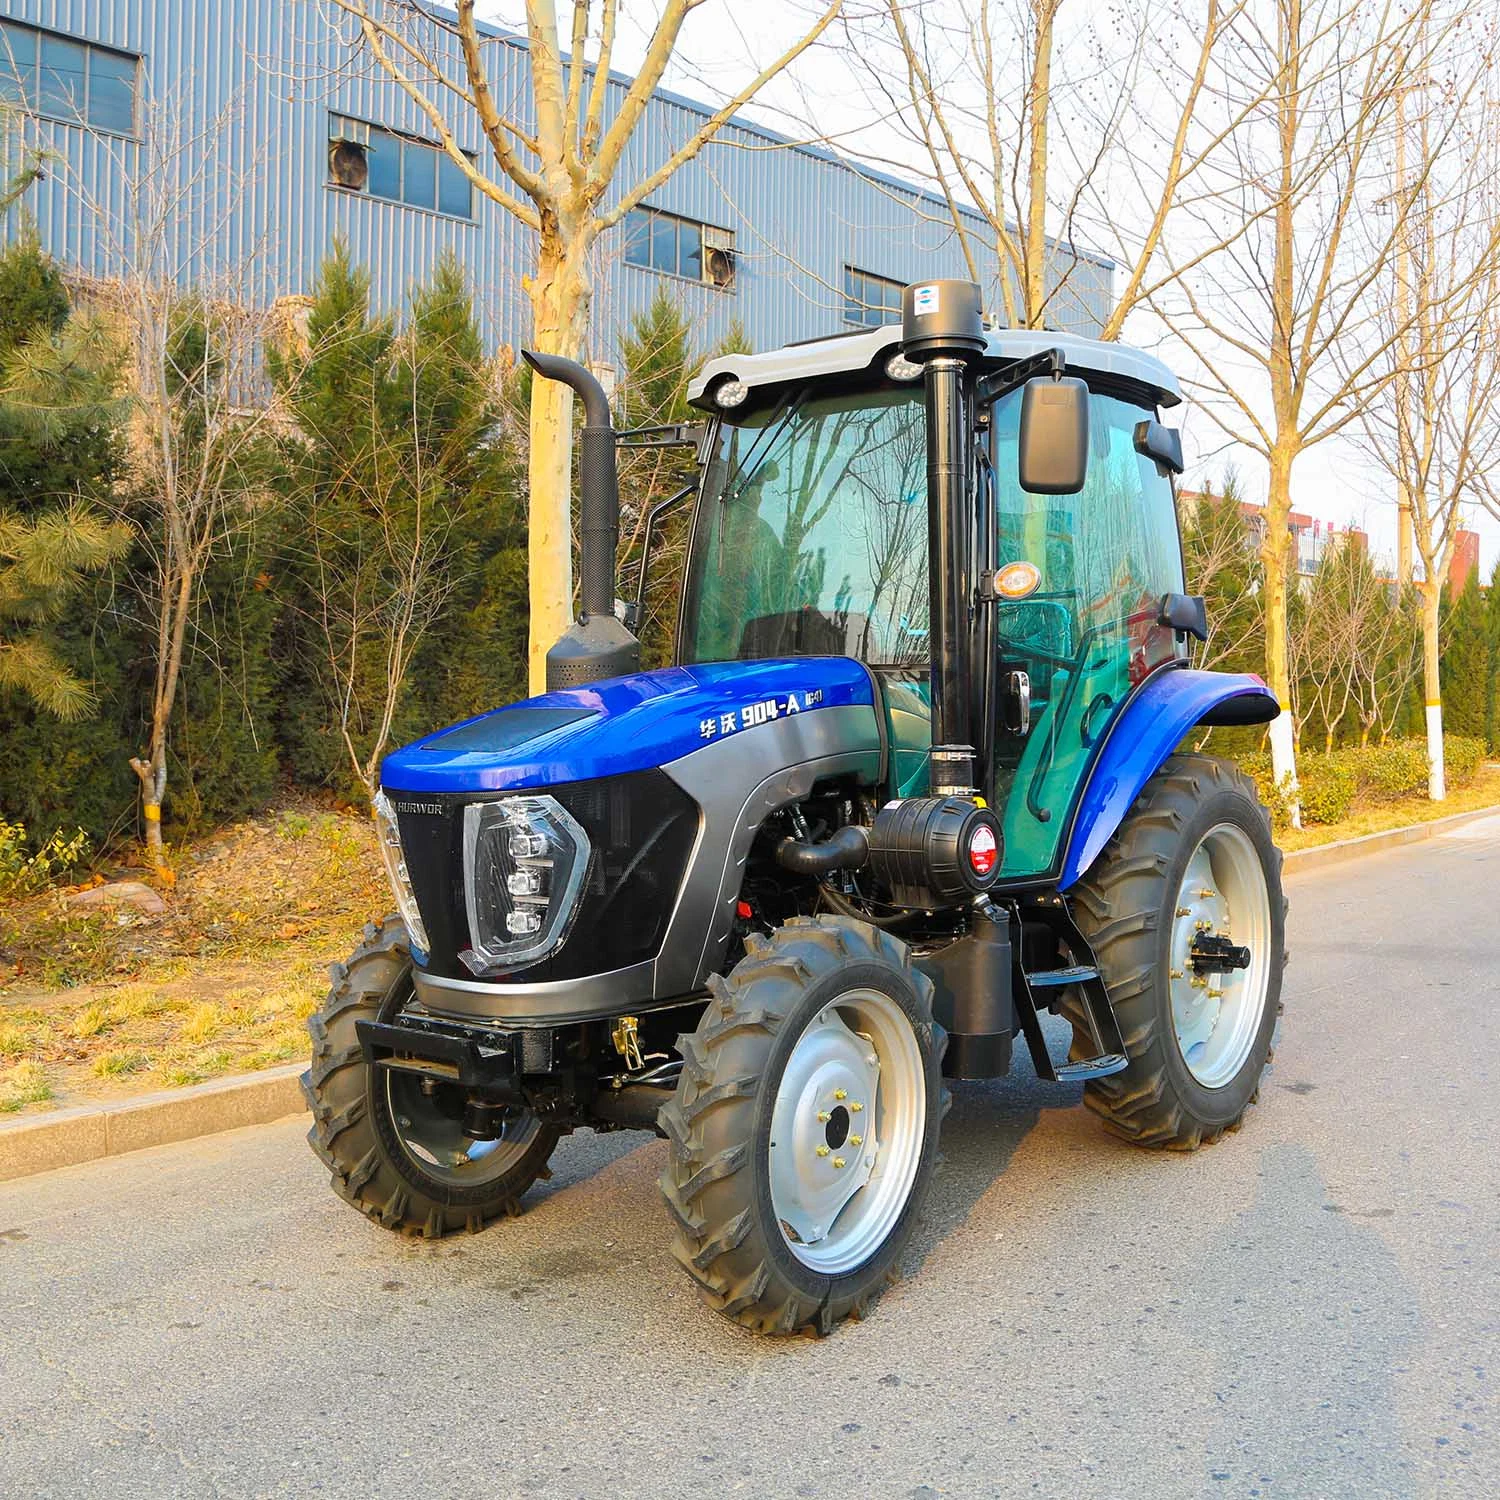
(1334, 784)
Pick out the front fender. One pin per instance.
(1154, 721)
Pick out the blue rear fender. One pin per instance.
(1168, 705)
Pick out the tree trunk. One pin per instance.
(1278, 676)
(1432, 690)
(560, 295)
(152, 773)
(1034, 292)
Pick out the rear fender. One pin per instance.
(1168, 705)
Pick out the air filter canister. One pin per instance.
(935, 851)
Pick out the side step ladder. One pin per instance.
(1109, 1045)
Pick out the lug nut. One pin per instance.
(838, 1161)
(822, 1150)
(856, 1140)
(1184, 911)
(823, 1117)
(854, 1109)
(1175, 973)
(840, 1094)
(1207, 894)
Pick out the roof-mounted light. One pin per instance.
(731, 393)
(899, 367)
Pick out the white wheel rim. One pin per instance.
(847, 1131)
(1216, 1017)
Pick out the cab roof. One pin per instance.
(869, 349)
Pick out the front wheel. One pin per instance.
(802, 1137)
(1191, 876)
(394, 1141)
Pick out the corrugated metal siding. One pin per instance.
(240, 92)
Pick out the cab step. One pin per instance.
(1061, 978)
(1095, 1067)
(1083, 975)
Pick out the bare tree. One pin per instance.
(556, 170)
(1436, 427)
(193, 479)
(1290, 325)
(191, 379)
(1105, 133)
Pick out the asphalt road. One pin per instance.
(1309, 1308)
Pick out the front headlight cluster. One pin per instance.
(389, 835)
(525, 859)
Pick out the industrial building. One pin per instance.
(228, 145)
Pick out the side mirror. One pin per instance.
(1185, 614)
(1163, 444)
(1054, 438)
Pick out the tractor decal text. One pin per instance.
(751, 715)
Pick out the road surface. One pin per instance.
(1309, 1308)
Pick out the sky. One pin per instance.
(724, 44)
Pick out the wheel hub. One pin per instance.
(820, 1155)
(1222, 906)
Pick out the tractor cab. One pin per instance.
(912, 783)
(810, 538)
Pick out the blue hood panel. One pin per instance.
(625, 724)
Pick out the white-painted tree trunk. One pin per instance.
(1432, 676)
(1437, 787)
(1284, 762)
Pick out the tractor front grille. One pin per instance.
(640, 829)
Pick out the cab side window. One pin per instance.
(1087, 634)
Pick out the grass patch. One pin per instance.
(204, 1022)
(24, 1084)
(109, 1002)
(112, 1064)
(91, 1021)
(1483, 791)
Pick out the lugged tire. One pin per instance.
(716, 1183)
(352, 1132)
(1120, 906)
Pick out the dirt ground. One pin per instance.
(107, 1002)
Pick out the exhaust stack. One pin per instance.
(596, 645)
(942, 329)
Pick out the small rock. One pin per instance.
(120, 893)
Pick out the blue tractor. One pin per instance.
(913, 781)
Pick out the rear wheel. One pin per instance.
(1193, 866)
(394, 1141)
(804, 1131)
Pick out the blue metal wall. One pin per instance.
(235, 103)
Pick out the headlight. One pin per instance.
(395, 868)
(525, 859)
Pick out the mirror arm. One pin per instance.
(1049, 362)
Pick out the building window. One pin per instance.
(870, 301)
(680, 247)
(61, 78)
(400, 168)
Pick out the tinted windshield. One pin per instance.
(812, 536)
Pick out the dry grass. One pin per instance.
(114, 1003)
(1482, 791)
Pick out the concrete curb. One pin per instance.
(38, 1143)
(69, 1136)
(1372, 843)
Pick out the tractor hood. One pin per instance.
(626, 724)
